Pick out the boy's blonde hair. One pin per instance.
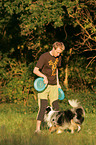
(60, 45)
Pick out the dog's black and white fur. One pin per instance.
(68, 119)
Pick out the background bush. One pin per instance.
(28, 29)
(16, 80)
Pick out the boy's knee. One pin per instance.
(43, 105)
(55, 105)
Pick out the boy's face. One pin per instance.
(57, 52)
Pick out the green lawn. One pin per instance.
(18, 128)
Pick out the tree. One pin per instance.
(38, 23)
(83, 14)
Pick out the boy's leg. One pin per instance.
(38, 126)
(55, 105)
(43, 103)
(53, 96)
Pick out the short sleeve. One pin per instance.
(40, 62)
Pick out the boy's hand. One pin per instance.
(45, 81)
(59, 86)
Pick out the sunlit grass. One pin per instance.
(18, 129)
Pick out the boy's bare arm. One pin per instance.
(57, 79)
(38, 73)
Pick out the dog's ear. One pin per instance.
(48, 109)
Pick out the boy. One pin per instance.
(47, 68)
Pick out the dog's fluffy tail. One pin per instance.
(74, 103)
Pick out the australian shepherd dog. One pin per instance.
(69, 119)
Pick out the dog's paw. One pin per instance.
(59, 131)
(52, 129)
(79, 128)
(72, 131)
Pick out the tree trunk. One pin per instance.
(66, 69)
(66, 77)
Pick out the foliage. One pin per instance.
(29, 28)
(16, 81)
(81, 76)
(83, 14)
(34, 17)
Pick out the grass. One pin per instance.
(18, 128)
(18, 122)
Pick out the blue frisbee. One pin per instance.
(39, 84)
(61, 95)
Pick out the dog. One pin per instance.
(69, 119)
